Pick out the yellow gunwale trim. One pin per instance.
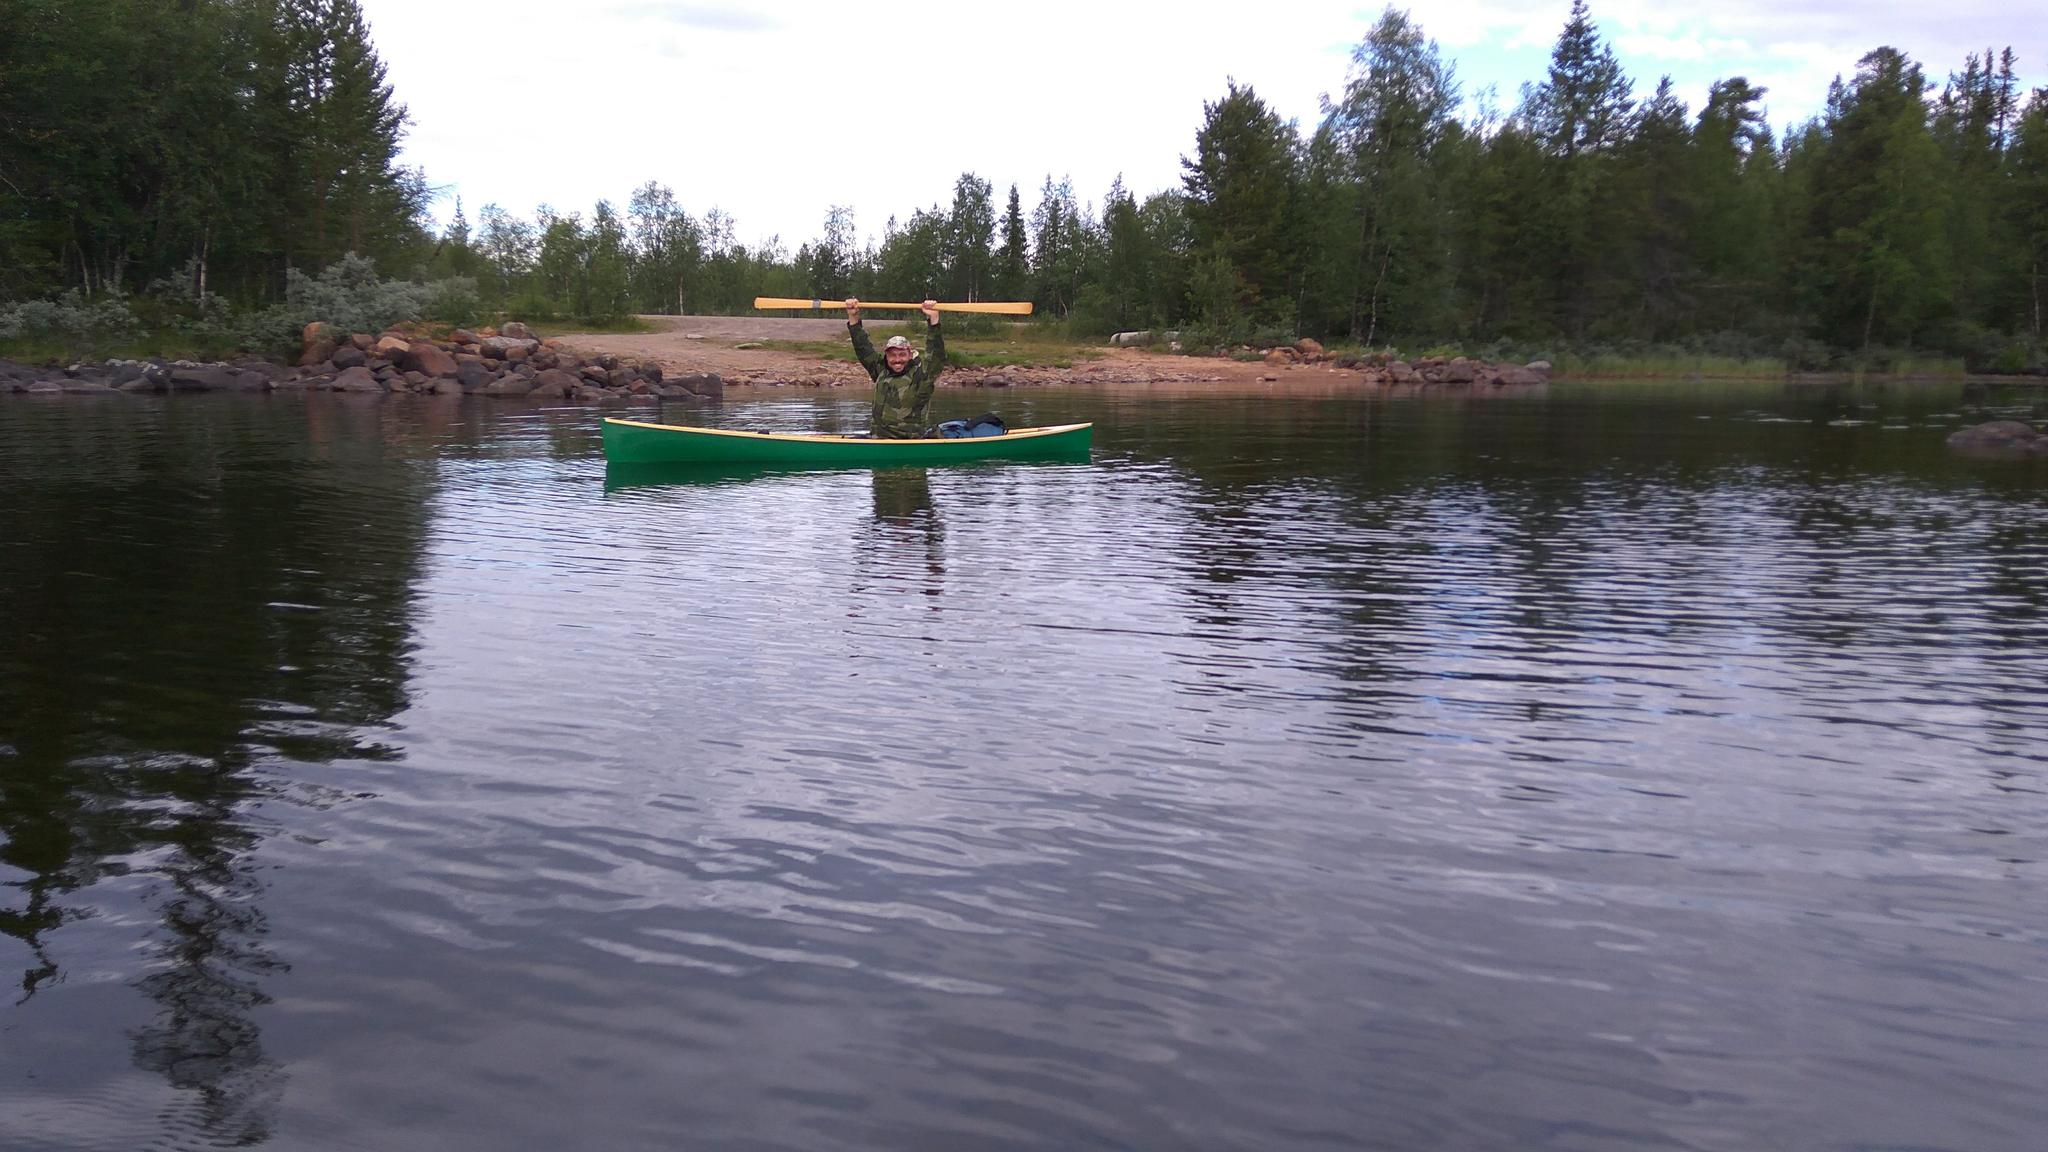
(813, 438)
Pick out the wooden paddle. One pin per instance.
(1001, 307)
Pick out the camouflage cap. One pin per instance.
(896, 342)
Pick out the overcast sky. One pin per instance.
(775, 112)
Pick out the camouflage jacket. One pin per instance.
(901, 398)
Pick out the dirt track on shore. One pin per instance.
(684, 344)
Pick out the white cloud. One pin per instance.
(776, 113)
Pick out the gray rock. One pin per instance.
(470, 377)
(2000, 437)
(555, 384)
(187, 377)
(349, 356)
(517, 331)
(674, 392)
(500, 347)
(650, 371)
(507, 385)
(357, 379)
(1131, 339)
(89, 388)
(705, 384)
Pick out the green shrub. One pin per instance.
(72, 317)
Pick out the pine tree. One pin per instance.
(606, 271)
(1877, 266)
(1732, 175)
(1240, 184)
(2025, 209)
(1579, 114)
(970, 237)
(1013, 258)
(358, 199)
(1584, 105)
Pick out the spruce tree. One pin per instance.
(1013, 258)
(1240, 184)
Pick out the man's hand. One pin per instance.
(853, 310)
(931, 312)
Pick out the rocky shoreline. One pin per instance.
(510, 362)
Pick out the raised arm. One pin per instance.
(934, 342)
(863, 348)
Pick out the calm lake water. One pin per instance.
(1620, 767)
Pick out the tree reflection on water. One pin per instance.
(233, 596)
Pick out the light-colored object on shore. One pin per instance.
(994, 307)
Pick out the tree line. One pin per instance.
(210, 144)
(1910, 213)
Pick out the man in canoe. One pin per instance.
(903, 379)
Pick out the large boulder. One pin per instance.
(555, 384)
(500, 347)
(391, 347)
(1460, 371)
(206, 378)
(507, 385)
(357, 379)
(2000, 437)
(349, 356)
(1310, 350)
(650, 371)
(472, 377)
(517, 331)
(706, 385)
(318, 341)
(427, 359)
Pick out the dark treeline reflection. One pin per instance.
(1533, 516)
(193, 592)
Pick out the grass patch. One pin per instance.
(1917, 367)
(164, 344)
(965, 353)
(619, 325)
(1656, 366)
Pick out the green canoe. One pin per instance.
(639, 442)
